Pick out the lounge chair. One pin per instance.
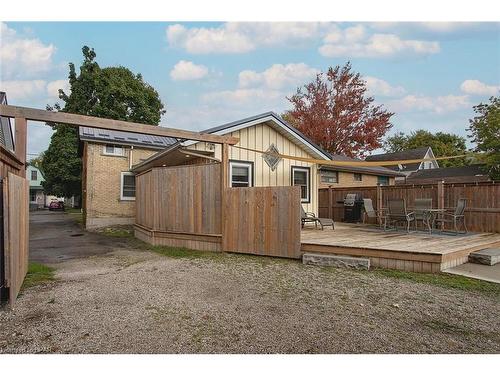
(398, 213)
(422, 206)
(456, 217)
(309, 217)
(370, 212)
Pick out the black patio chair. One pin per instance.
(454, 217)
(309, 217)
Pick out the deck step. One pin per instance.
(490, 256)
(336, 261)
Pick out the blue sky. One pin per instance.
(429, 74)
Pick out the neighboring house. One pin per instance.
(108, 186)
(37, 195)
(408, 169)
(268, 132)
(469, 173)
(6, 137)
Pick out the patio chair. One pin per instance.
(370, 212)
(309, 217)
(456, 217)
(422, 206)
(398, 213)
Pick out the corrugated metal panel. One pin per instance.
(118, 137)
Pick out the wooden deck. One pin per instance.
(417, 252)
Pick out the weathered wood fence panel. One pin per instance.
(483, 200)
(15, 232)
(262, 221)
(184, 199)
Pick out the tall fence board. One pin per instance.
(262, 221)
(15, 232)
(483, 200)
(184, 199)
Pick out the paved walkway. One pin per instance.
(56, 236)
(478, 271)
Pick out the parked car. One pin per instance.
(56, 206)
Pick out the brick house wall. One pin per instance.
(346, 179)
(102, 203)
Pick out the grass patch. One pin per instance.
(444, 280)
(181, 252)
(37, 274)
(76, 214)
(117, 231)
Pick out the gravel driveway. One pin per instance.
(130, 300)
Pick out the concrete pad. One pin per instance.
(489, 256)
(336, 261)
(477, 271)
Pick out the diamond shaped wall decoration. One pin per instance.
(271, 157)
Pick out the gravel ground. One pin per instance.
(136, 301)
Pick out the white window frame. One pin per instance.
(121, 186)
(322, 174)
(308, 182)
(114, 153)
(247, 165)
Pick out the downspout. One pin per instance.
(130, 158)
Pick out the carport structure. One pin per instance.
(14, 198)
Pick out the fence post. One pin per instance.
(330, 202)
(440, 197)
(21, 127)
(379, 203)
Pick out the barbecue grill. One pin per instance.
(353, 204)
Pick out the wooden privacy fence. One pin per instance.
(483, 200)
(262, 221)
(182, 206)
(14, 228)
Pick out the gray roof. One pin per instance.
(379, 171)
(416, 153)
(6, 137)
(124, 138)
(467, 170)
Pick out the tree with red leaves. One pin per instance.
(336, 113)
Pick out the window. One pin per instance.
(300, 177)
(383, 180)
(127, 186)
(358, 177)
(34, 175)
(241, 174)
(329, 177)
(113, 150)
(32, 197)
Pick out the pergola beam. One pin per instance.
(102, 123)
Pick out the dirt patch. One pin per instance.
(131, 301)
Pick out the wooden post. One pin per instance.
(20, 140)
(440, 198)
(330, 202)
(379, 204)
(224, 185)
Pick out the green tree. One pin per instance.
(37, 162)
(442, 144)
(112, 92)
(485, 132)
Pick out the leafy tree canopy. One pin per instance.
(442, 144)
(485, 132)
(112, 92)
(335, 111)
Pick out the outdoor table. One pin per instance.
(430, 215)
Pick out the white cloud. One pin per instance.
(241, 97)
(278, 76)
(439, 104)
(17, 90)
(377, 86)
(34, 89)
(187, 70)
(54, 86)
(20, 55)
(475, 87)
(356, 42)
(240, 37)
